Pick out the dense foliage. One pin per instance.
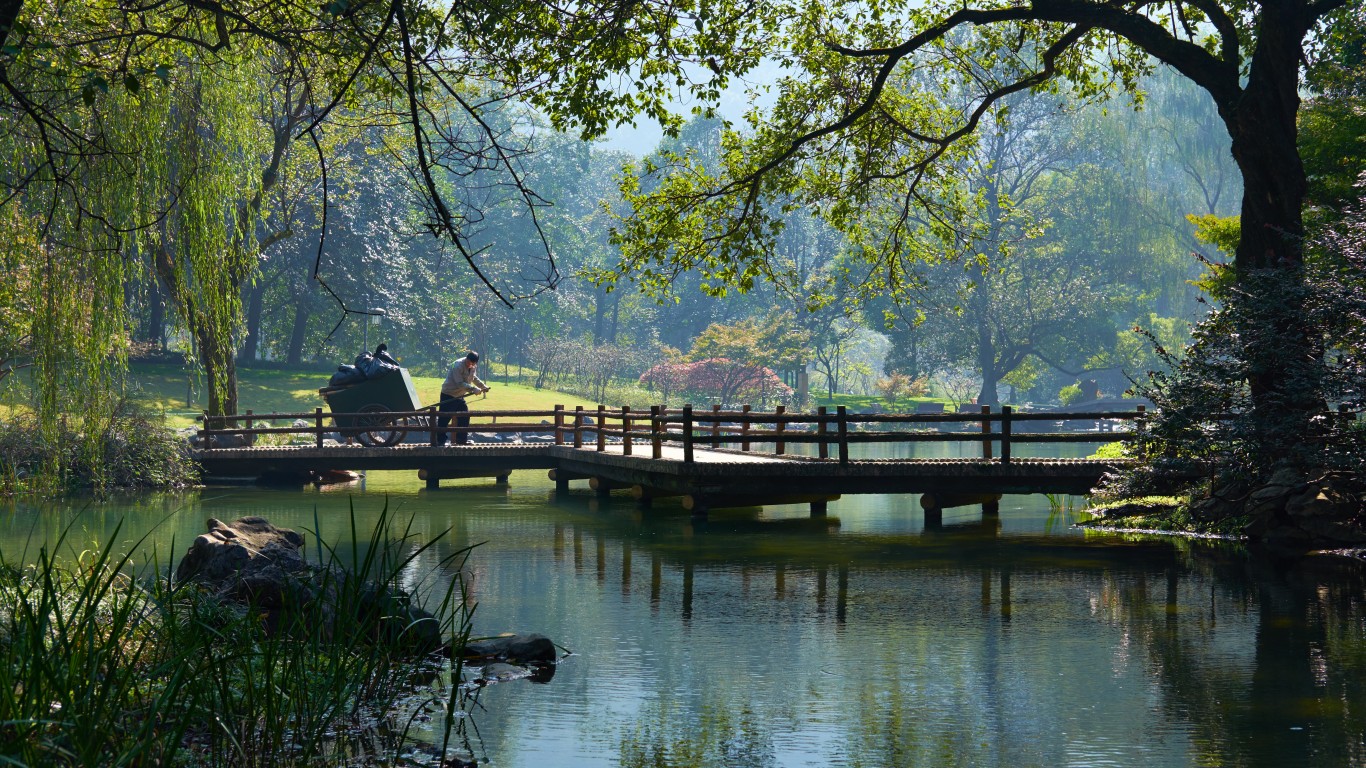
(1205, 420)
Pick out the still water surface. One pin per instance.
(764, 638)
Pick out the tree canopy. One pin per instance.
(881, 100)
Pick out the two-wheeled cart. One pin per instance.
(368, 406)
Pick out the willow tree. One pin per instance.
(215, 163)
(65, 265)
(131, 184)
(187, 178)
(115, 182)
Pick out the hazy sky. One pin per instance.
(645, 135)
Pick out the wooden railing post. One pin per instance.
(778, 427)
(843, 415)
(744, 427)
(687, 434)
(625, 430)
(433, 413)
(318, 426)
(656, 439)
(578, 426)
(820, 432)
(986, 432)
(205, 436)
(1005, 434)
(248, 437)
(602, 422)
(1141, 425)
(559, 425)
(716, 425)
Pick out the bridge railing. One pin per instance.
(831, 431)
(834, 431)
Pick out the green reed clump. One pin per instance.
(105, 664)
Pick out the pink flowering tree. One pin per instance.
(667, 378)
(717, 379)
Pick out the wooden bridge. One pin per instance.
(709, 457)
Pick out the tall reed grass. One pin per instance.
(105, 661)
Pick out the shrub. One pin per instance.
(1070, 394)
(899, 386)
(132, 451)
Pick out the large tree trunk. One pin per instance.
(216, 352)
(987, 361)
(1283, 356)
(255, 308)
(156, 322)
(616, 318)
(219, 365)
(296, 336)
(599, 316)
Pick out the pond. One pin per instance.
(767, 638)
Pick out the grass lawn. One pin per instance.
(163, 388)
(864, 403)
(177, 392)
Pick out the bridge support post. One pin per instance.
(433, 477)
(819, 508)
(562, 479)
(934, 518)
(943, 501)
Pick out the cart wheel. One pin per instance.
(379, 429)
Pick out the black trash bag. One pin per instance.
(372, 367)
(382, 355)
(345, 376)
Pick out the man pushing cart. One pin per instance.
(460, 382)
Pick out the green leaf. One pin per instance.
(130, 81)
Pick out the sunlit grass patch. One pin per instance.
(1158, 513)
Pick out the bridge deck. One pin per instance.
(712, 472)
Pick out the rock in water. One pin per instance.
(519, 649)
(253, 564)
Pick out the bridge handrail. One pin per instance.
(692, 427)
